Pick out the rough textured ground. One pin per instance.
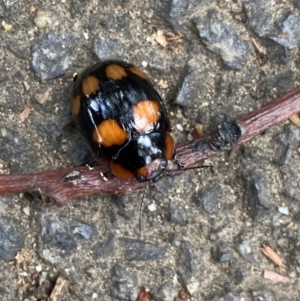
(201, 231)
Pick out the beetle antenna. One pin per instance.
(181, 167)
(141, 208)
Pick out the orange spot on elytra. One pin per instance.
(146, 113)
(109, 133)
(138, 72)
(115, 72)
(170, 146)
(119, 171)
(90, 85)
(143, 172)
(75, 106)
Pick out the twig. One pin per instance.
(271, 254)
(66, 184)
(60, 289)
(275, 277)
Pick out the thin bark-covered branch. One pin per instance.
(66, 184)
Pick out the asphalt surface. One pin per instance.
(202, 232)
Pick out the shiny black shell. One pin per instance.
(123, 117)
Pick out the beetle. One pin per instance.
(124, 119)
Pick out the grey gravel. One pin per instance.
(282, 27)
(222, 252)
(257, 198)
(288, 34)
(221, 38)
(124, 287)
(179, 11)
(135, 249)
(243, 246)
(261, 23)
(186, 256)
(51, 55)
(11, 239)
(193, 79)
(165, 292)
(59, 238)
(82, 230)
(108, 49)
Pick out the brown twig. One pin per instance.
(271, 254)
(66, 184)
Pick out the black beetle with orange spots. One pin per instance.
(124, 118)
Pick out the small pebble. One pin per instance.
(189, 137)
(179, 127)
(283, 210)
(152, 207)
(43, 277)
(38, 268)
(107, 48)
(26, 86)
(292, 274)
(26, 210)
(23, 274)
(43, 19)
(6, 26)
(86, 35)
